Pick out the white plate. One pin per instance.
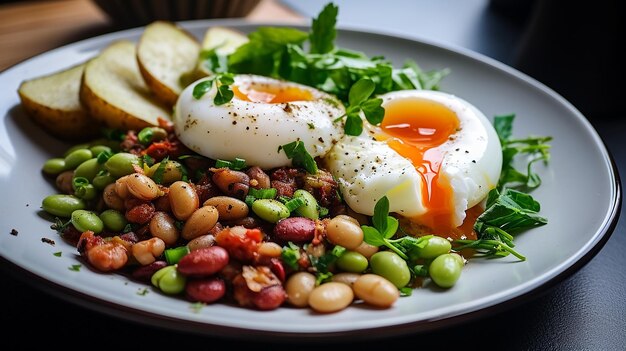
(580, 196)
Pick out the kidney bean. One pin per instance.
(203, 262)
(111, 199)
(232, 183)
(140, 214)
(201, 242)
(295, 229)
(144, 273)
(269, 298)
(205, 290)
(258, 178)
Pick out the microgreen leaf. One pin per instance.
(372, 236)
(360, 91)
(202, 88)
(381, 211)
(391, 227)
(353, 125)
(373, 110)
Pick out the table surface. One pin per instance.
(586, 311)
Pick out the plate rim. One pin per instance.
(584, 254)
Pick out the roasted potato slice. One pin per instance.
(165, 52)
(52, 101)
(115, 93)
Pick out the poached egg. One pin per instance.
(264, 114)
(434, 156)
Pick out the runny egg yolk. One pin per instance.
(271, 94)
(414, 128)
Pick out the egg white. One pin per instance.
(368, 169)
(254, 131)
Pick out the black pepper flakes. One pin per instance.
(13, 232)
(48, 241)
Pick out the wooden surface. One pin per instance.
(28, 28)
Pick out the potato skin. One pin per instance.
(52, 102)
(107, 114)
(160, 90)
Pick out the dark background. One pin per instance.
(572, 47)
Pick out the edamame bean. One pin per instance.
(101, 181)
(114, 145)
(54, 166)
(121, 164)
(435, 246)
(151, 134)
(84, 220)
(97, 149)
(270, 210)
(392, 267)
(169, 280)
(445, 270)
(352, 261)
(309, 208)
(113, 220)
(62, 205)
(88, 169)
(74, 148)
(86, 192)
(77, 157)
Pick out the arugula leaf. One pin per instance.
(300, 156)
(323, 31)
(536, 148)
(213, 61)
(507, 213)
(279, 52)
(263, 52)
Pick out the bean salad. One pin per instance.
(140, 203)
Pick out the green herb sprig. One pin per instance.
(385, 228)
(535, 148)
(313, 59)
(223, 81)
(360, 101)
(509, 210)
(300, 157)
